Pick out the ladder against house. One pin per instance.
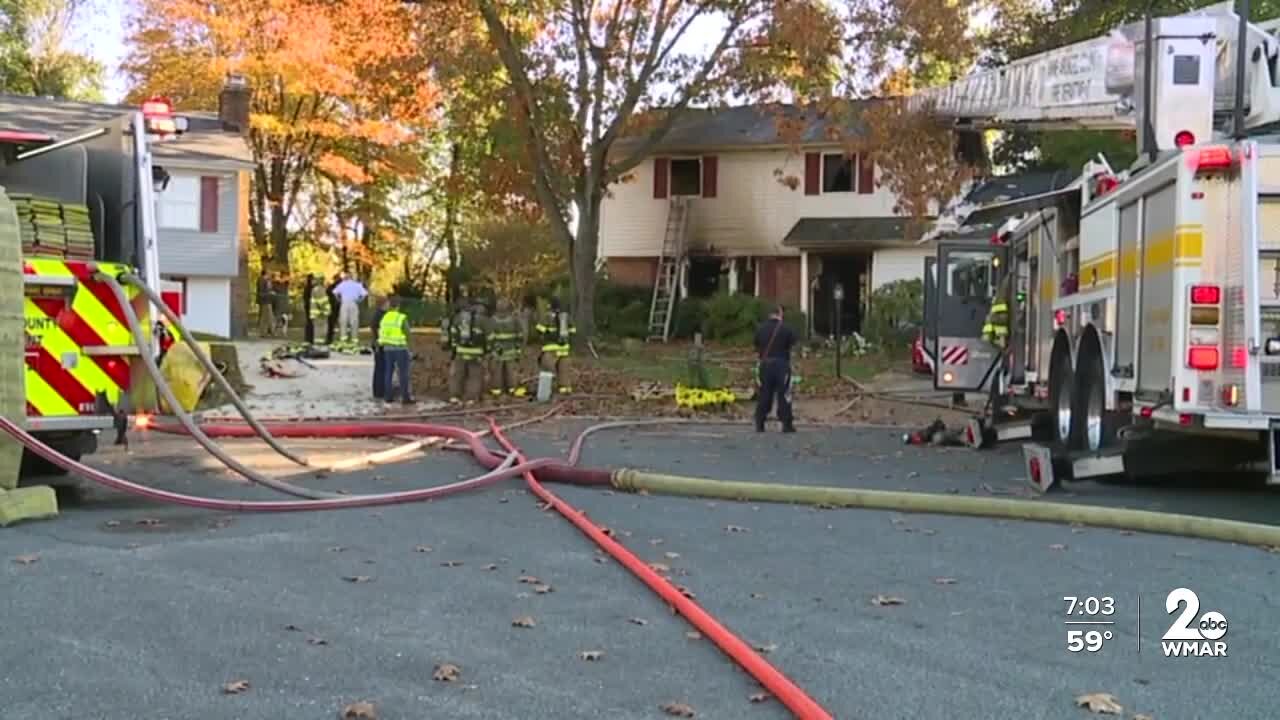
(670, 266)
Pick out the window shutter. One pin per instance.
(812, 173)
(661, 175)
(209, 204)
(710, 174)
(866, 174)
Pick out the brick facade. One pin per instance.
(632, 271)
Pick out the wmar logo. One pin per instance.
(1188, 637)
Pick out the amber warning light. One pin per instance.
(158, 115)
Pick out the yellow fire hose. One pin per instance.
(912, 502)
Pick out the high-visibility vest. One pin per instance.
(996, 327)
(391, 330)
(319, 303)
(554, 339)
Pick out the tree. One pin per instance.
(582, 73)
(34, 58)
(511, 257)
(325, 77)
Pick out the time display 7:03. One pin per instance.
(1090, 605)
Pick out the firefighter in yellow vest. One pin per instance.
(556, 331)
(393, 339)
(468, 342)
(505, 351)
(995, 328)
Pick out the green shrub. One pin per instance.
(690, 319)
(896, 310)
(622, 310)
(733, 318)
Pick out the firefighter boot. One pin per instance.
(564, 375)
(457, 378)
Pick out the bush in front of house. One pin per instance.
(690, 319)
(897, 309)
(733, 318)
(622, 310)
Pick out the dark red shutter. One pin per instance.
(812, 173)
(209, 204)
(661, 174)
(866, 174)
(710, 174)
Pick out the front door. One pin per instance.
(967, 280)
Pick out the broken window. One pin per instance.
(686, 176)
(837, 173)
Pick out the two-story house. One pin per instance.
(750, 230)
(202, 212)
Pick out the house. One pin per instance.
(748, 231)
(202, 213)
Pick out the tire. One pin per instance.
(1061, 404)
(1095, 426)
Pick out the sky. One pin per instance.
(100, 31)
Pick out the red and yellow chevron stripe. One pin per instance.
(77, 347)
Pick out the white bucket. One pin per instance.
(545, 379)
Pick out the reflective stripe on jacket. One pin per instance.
(391, 330)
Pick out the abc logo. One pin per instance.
(1189, 636)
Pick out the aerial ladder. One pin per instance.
(1144, 331)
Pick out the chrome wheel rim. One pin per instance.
(1064, 413)
(1093, 419)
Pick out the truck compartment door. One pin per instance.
(931, 309)
(967, 280)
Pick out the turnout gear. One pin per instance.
(468, 342)
(995, 329)
(556, 330)
(505, 351)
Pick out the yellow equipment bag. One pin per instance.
(185, 375)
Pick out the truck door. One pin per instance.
(931, 311)
(968, 275)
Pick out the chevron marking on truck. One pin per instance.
(955, 355)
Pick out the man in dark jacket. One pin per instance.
(379, 358)
(773, 344)
(333, 308)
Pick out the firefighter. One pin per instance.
(505, 351)
(317, 305)
(467, 343)
(773, 343)
(995, 329)
(556, 330)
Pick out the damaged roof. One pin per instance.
(848, 233)
(205, 140)
(747, 126)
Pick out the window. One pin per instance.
(969, 275)
(686, 176)
(1186, 70)
(837, 173)
(179, 204)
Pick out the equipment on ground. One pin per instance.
(84, 204)
(1143, 306)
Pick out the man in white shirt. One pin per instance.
(349, 293)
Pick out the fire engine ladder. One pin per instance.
(670, 268)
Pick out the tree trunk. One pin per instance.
(279, 220)
(452, 289)
(582, 270)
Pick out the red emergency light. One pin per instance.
(1184, 138)
(1202, 357)
(1206, 294)
(157, 107)
(1213, 157)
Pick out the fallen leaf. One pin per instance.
(451, 563)
(898, 521)
(638, 621)
(1057, 546)
(735, 529)
(528, 580)
(693, 635)
(491, 566)
(446, 672)
(886, 600)
(317, 641)
(422, 549)
(1126, 532)
(598, 560)
(112, 523)
(149, 522)
(944, 581)
(543, 589)
(292, 628)
(928, 532)
(357, 578)
(27, 559)
(1101, 703)
(660, 567)
(523, 621)
(360, 711)
(591, 655)
(686, 592)
(757, 596)
(759, 697)
(766, 649)
(337, 548)
(678, 710)
(656, 541)
(671, 555)
(504, 500)
(235, 687)
(544, 506)
(1143, 716)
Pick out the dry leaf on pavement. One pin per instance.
(112, 523)
(523, 621)
(235, 687)
(491, 566)
(528, 580)
(446, 672)
(759, 697)
(672, 555)
(591, 655)
(357, 578)
(678, 710)
(886, 600)
(317, 641)
(337, 548)
(149, 522)
(686, 592)
(1057, 546)
(360, 711)
(944, 581)
(1143, 716)
(422, 549)
(693, 635)
(292, 628)
(766, 649)
(1101, 703)
(543, 589)
(735, 529)
(27, 559)
(451, 563)
(638, 621)
(660, 567)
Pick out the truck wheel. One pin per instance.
(1061, 382)
(1098, 426)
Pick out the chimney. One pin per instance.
(233, 104)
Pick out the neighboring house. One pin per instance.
(202, 214)
(748, 231)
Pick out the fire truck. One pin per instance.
(1144, 304)
(85, 204)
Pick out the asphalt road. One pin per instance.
(133, 610)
